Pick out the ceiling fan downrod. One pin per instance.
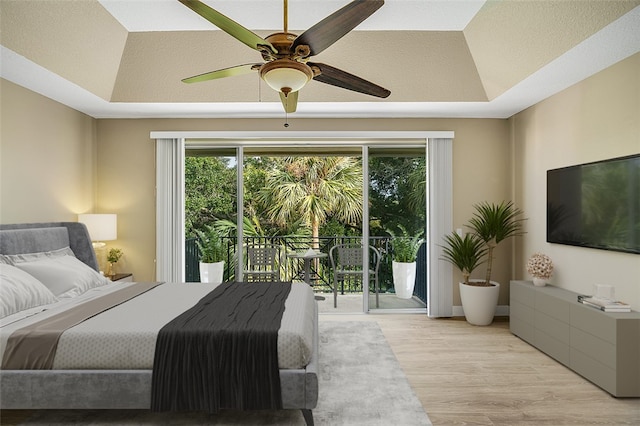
(286, 16)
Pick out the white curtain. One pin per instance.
(170, 210)
(440, 223)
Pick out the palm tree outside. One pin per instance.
(312, 190)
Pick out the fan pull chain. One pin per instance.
(286, 112)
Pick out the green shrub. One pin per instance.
(210, 245)
(405, 248)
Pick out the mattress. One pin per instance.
(124, 337)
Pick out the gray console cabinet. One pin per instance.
(603, 347)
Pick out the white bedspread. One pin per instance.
(124, 337)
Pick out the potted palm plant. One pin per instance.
(494, 223)
(212, 254)
(491, 224)
(466, 253)
(404, 253)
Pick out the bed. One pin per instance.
(106, 361)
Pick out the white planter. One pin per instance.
(212, 272)
(404, 278)
(479, 303)
(539, 282)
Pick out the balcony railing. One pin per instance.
(321, 273)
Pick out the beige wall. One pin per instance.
(57, 162)
(596, 119)
(47, 158)
(126, 155)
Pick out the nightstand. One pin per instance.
(122, 278)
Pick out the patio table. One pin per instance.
(306, 257)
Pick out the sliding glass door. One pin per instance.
(211, 188)
(397, 226)
(301, 201)
(307, 199)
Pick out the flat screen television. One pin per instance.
(596, 205)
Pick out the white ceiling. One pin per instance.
(614, 42)
(170, 15)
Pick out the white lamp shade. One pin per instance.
(102, 227)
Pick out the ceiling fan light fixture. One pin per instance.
(284, 75)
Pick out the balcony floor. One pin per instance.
(352, 303)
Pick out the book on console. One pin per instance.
(605, 305)
(602, 308)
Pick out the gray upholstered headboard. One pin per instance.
(37, 237)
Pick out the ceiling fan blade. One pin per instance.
(289, 102)
(335, 26)
(226, 72)
(228, 25)
(335, 77)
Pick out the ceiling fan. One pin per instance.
(287, 68)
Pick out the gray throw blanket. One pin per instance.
(223, 352)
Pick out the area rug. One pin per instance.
(360, 381)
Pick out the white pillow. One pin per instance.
(65, 276)
(20, 291)
(30, 257)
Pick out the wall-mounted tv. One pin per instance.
(596, 205)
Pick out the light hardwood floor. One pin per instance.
(467, 375)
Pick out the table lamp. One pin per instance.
(101, 227)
